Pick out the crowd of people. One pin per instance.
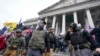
(38, 42)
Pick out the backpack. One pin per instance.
(77, 38)
(37, 40)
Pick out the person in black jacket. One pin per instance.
(96, 33)
(81, 48)
(50, 42)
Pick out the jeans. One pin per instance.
(64, 48)
(32, 52)
(82, 52)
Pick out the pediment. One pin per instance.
(57, 6)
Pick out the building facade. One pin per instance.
(61, 14)
(31, 22)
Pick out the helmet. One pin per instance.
(18, 31)
(73, 26)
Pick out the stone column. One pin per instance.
(75, 17)
(89, 17)
(63, 24)
(56, 30)
(46, 23)
(54, 22)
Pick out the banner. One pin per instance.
(10, 25)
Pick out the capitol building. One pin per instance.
(62, 13)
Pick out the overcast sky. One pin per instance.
(13, 10)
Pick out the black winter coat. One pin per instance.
(96, 32)
(50, 41)
(86, 34)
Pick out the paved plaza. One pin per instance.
(57, 54)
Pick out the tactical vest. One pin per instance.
(37, 40)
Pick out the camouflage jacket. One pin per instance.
(16, 42)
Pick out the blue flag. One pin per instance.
(20, 21)
(0, 32)
(19, 25)
(3, 30)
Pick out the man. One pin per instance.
(80, 40)
(37, 41)
(50, 42)
(15, 44)
(96, 34)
